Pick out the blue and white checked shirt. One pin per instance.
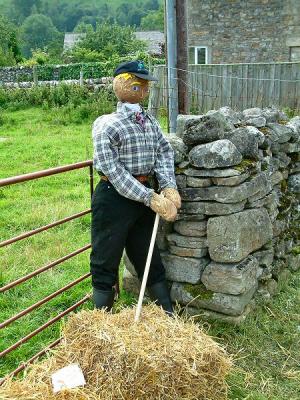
(122, 148)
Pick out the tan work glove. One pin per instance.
(163, 206)
(173, 195)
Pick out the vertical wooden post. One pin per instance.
(171, 64)
(35, 75)
(81, 78)
(182, 56)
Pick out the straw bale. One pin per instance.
(158, 358)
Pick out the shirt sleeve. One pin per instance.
(106, 160)
(164, 164)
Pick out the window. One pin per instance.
(198, 55)
(295, 53)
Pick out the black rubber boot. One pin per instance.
(103, 298)
(159, 292)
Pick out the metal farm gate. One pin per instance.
(23, 178)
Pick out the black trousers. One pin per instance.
(118, 223)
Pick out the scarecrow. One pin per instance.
(130, 154)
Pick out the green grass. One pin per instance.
(266, 346)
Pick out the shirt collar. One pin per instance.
(129, 109)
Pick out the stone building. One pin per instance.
(243, 31)
(71, 39)
(155, 41)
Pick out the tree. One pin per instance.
(135, 16)
(23, 8)
(9, 49)
(84, 27)
(154, 21)
(151, 5)
(38, 32)
(108, 40)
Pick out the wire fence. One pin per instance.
(238, 86)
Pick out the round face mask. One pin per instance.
(129, 88)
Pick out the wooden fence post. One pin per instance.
(35, 75)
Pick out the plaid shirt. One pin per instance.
(123, 148)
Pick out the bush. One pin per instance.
(49, 96)
(68, 103)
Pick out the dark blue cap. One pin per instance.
(136, 68)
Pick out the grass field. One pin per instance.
(266, 346)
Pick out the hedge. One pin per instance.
(68, 71)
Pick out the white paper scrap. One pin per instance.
(67, 378)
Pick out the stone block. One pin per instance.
(247, 141)
(207, 128)
(294, 183)
(279, 226)
(217, 154)
(277, 267)
(182, 121)
(187, 241)
(279, 248)
(279, 133)
(233, 237)
(211, 207)
(252, 113)
(293, 262)
(128, 265)
(231, 180)
(233, 117)
(265, 258)
(189, 217)
(180, 149)
(181, 181)
(290, 147)
(234, 194)
(234, 278)
(191, 228)
(257, 122)
(131, 283)
(294, 124)
(271, 114)
(187, 252)
(199, 297)
(199, 314)
(198, 182)
(183, 269)
(164, 228)
(225, 172)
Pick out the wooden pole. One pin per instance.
(147, 268)
(182, 56)
(171, 64)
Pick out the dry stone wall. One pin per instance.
(105, 82)
(237, 233)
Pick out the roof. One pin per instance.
(154, 40)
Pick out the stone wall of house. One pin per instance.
(237, 234)
(236, 31)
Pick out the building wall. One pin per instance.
(239, 31)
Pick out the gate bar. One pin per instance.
(45, 268)
(43, 228)
(24, 364)
(46, 172)
(42, 301)
(44, 326)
